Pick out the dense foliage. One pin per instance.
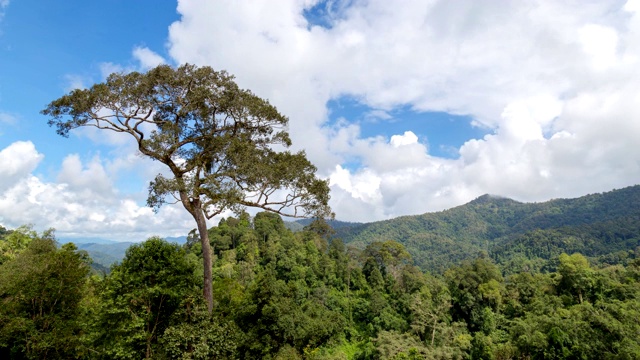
(518, 236)
(285, 295)
(41, 292)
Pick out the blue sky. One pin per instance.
(442, 132)
(405, 109)
(48, 47)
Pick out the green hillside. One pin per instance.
(605, 227)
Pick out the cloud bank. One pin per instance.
(556, 84)
(82, 201)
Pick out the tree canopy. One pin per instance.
(224, 146)
(41, 289)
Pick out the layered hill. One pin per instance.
(605, 227)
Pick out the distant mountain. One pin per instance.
(294, 226)
(336, 224)
(90, 240)
(180, 240)
(603, 226)
(107, 252)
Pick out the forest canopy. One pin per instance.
(285, 295)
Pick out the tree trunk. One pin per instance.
(206, 257)
(433, 331)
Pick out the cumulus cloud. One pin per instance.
(407, 138)
(147, 58)
(556, 82)
(16, 161)
(82, 200)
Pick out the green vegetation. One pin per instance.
(41, 292)
(520, 237)
(295, 295)
(216, 140)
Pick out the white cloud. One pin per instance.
(600, 44)
(91, 176)
(407, 138)
(557, 83)
(83, 199)
(16, 161)
(632, 6)
(363, 186)
(528, 119)
(147, 58)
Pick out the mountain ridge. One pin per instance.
(438, 239)
(498, 226)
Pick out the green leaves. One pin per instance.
(14, 242)
(216, 138)
(141, 295)
(474, 286)
(40, 292)
(196, 335)
(577, 277)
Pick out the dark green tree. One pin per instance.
(40, 292)
(140, 296)
(217, 140)
(474, 286)
(195, 334)
(388, 255)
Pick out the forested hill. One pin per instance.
(603, 226)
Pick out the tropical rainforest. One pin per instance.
(493, 279)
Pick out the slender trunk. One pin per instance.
(193, 207)
(348, 296)
(206, 256)
(433, 331)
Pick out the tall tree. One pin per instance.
(218, 142)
